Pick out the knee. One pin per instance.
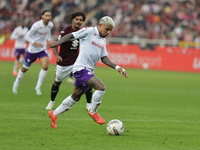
(57, 84)
(101, 87)
(75, 97)
(23, 69)
(45, 68)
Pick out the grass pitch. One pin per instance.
(160, 111)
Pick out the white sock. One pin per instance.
(15, 65)
(96, 100)
(41, 77)
(66, 105)
(19, 77)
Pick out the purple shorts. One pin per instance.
(82, 77)
(31, 57)
(20, 51)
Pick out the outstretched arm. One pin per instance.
(65, 38)
(107, 61)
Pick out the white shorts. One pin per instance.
(62, 72)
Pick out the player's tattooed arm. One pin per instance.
(65, 38)
(55, 50)
(107, 61)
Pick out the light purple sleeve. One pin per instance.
(49, 34)
(82, 33)
(31, 32)
(104, 52)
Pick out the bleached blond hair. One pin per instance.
(107, 20)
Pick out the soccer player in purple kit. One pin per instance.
(37, 36)
(67, 56)
(92, 48)
(20, 44)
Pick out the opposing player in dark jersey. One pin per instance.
(67, 56)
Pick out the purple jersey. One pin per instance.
(68, 50)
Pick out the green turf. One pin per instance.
(160, 111)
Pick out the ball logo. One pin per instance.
(115, 127)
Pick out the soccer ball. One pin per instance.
(115, 127)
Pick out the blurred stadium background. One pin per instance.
(156, 34)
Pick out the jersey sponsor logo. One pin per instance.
(96, 44)
(43, 33)
(75, 44)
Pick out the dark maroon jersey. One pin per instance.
(68, 50)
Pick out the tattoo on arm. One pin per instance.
(55, 50)
(66, 38)
(107, 61)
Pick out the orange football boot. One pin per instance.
(98, 119)
(53, 119)
(14, 73)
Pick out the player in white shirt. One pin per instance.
(92, 48)
(37, 36)
(20, 44)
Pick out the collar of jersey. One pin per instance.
(97, 32)
(43, 23)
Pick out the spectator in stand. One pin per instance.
(161, 16)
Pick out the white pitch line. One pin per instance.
(84, 119)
